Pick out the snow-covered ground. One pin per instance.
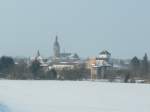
(73, 96)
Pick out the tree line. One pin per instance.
(137, 69)
(9, 69)
(24, 71)
(140, 68)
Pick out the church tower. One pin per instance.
(56, 48)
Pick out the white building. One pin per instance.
(102, 64)
(104, 59)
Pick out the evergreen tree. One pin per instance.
(35, 68)
(6, 62)
(6, 66)
(51, 75)
(135, 66)
(145, 65)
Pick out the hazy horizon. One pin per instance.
(83, 26)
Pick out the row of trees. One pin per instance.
(78, 73)
(11, 70)
(21, 70)
(140, 68)
(136, 69)
(7, 65)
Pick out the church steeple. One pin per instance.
(56, 39)
(56, 48)
(38, 53)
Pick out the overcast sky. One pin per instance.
(84, 26)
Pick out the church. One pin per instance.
(58, 60)
(62, 60)
(62, 57)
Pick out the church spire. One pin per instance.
(38, 53)
(56, 47)
(56, 39)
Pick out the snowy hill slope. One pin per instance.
(75, 96)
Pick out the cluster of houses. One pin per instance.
(59, 61)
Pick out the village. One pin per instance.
(101, 67)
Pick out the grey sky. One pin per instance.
(83, 26)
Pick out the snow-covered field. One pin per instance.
(73, 96)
